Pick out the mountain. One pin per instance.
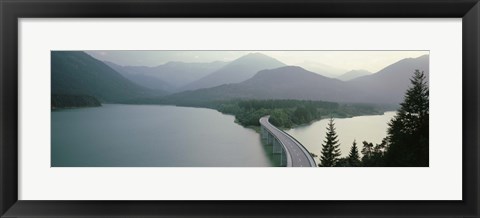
(322, 69)
(172, 74)
(290, 82)
(77, 73)
(236, 71)
(389, 84)
(353, 74)
(135, 75)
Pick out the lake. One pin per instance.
(362, 128)
(152, 136)
(169, 136)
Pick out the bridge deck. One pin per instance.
(300, 157)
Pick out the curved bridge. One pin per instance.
(293, 154)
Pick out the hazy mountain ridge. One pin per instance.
(352, 74)
(292, 82)
(77, 73)
(389, 84)
(173, 74)
(289, 82)
(141, 79)
(236, 71)
(322, 69)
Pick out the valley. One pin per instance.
(240, 91)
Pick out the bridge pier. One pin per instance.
(277, 147)
(283, 144)
(263, 133)
(271, 140)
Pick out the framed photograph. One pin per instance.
(225, 108)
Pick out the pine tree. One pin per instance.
(354, 157)
(407, 139)
(330, 148)
(374, 156)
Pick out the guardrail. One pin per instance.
(310, 159)
(284, 148)
(309, 156)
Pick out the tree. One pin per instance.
(330, 148)
(353, 159)
(373, 156)
(367, 152)
(280, 118)
(407, 139)
(367, 149)
(342, 162)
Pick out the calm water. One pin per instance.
(150, 136)
(363, 128)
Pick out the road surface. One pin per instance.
(299, 155)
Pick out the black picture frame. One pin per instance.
(12, 10)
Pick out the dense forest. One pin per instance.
(73, 101)
(407, 141)
(284, 113)
(288, 113)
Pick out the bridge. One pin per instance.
(292, 152)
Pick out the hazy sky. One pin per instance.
(372, 61)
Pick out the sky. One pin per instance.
(372, 61)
